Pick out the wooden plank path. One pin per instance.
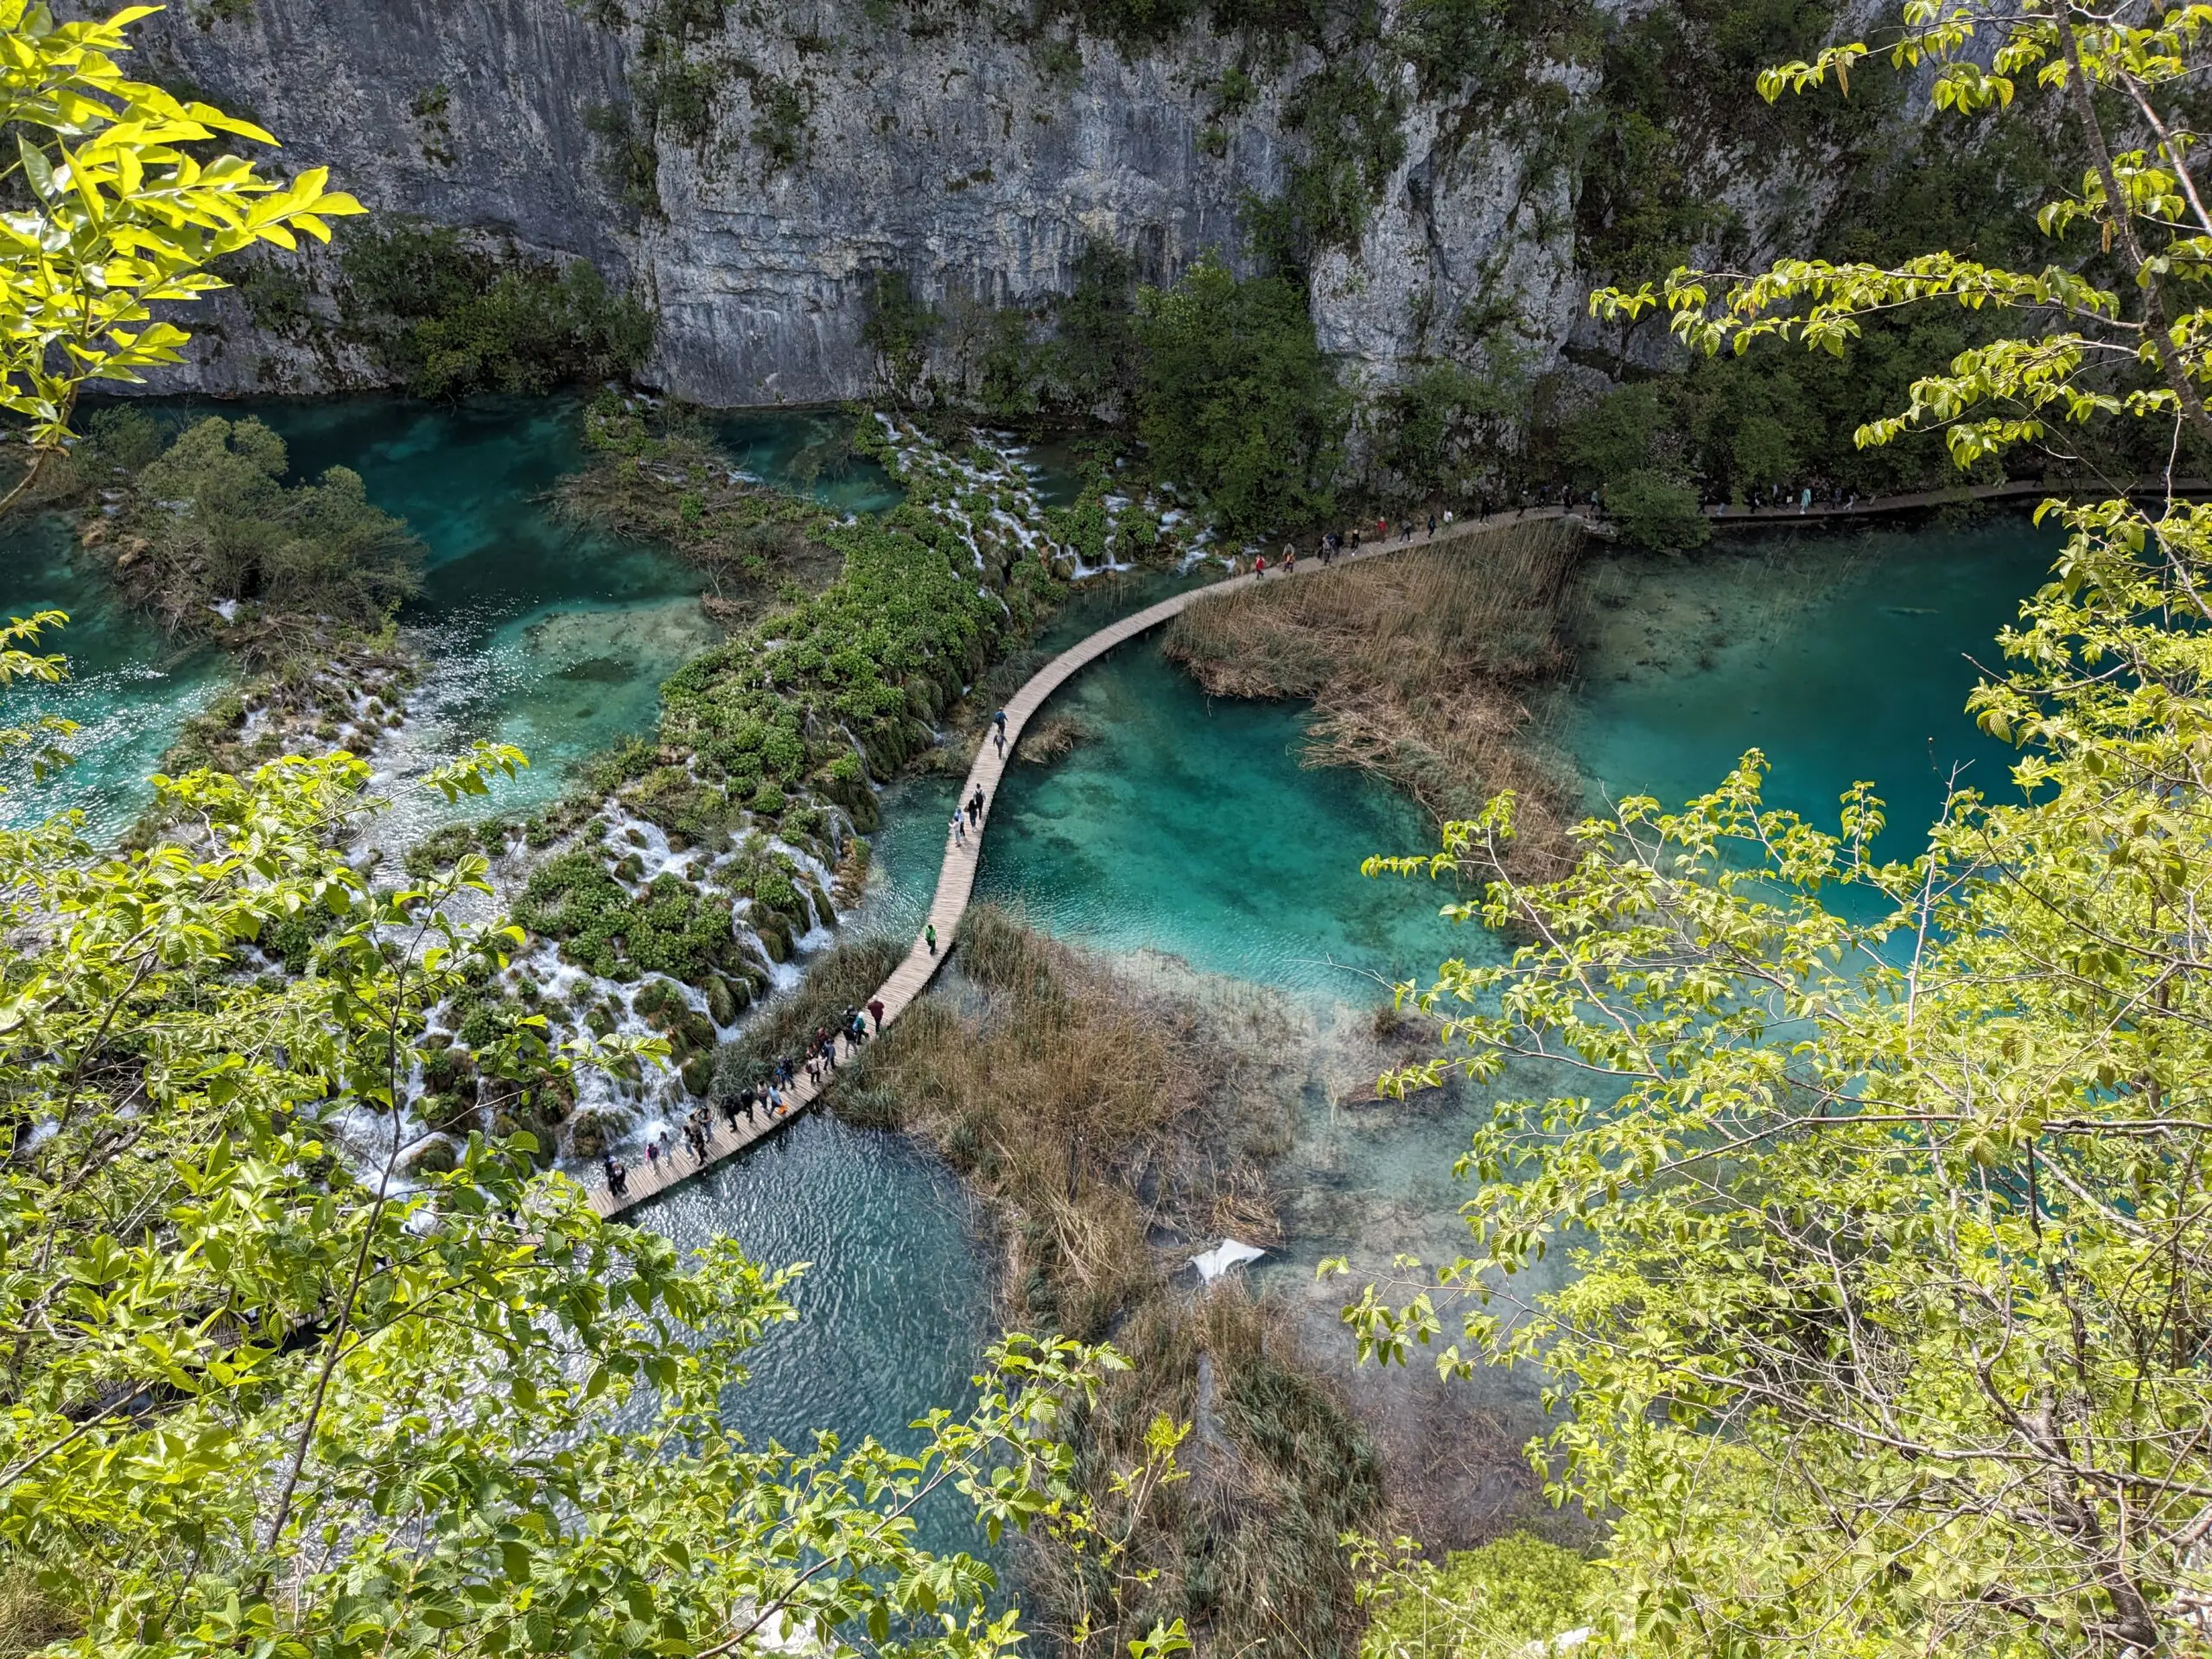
(1726, 517)
(956, 878)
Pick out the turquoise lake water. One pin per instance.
(1855, 662)
(538, 633)
(1182, 825)
(129, 687)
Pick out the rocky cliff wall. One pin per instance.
(823, 143)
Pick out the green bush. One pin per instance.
(1352, 144)
(1507, 1598)
(672, 928)
(224, 525)
(449, 320)
(630, 162)
(898, 328)
(1236, 401)
(1658, 510)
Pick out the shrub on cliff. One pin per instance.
(1236, 401)
(448, 318)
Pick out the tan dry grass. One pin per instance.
(1087, 1109)
(1418, 665)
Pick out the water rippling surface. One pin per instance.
(1182, 825)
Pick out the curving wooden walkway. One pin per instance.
(1725, 517)
(956, 876)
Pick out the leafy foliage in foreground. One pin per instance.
(1886, 1177)
(264, 1393)
(114, 211)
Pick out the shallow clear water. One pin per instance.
(1183, 826)
(1854, 663)
(549, 635)
(128, 691)
(807, 450)
(536, 631)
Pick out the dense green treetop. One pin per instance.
(119, 214)
(1883, 1167)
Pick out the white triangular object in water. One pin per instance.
(1224, 1255)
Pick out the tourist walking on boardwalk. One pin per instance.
(998, 731)
(618, 1178)
(652, 1152)
(959, 827)
(875, 1013)
(929, 937)
(975, 806)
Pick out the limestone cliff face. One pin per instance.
(833, 141)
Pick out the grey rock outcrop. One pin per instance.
(975, 153)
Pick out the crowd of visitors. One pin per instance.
(768, 1097)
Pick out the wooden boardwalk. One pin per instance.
(956, 878)
(1726, 517)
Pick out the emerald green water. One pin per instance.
(535, 632)
(129, 687)
(1841, 658)
(1183, 826)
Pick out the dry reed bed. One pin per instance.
(1093, 1113)
(1418, 665)
(1109, 1125)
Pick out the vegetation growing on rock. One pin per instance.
(210, 540)
(447, 316)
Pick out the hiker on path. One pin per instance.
(1355, 538)
(1381, 530)
(1259, 564)
(875, 1013)
(1290, 560)
(1431, 526)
